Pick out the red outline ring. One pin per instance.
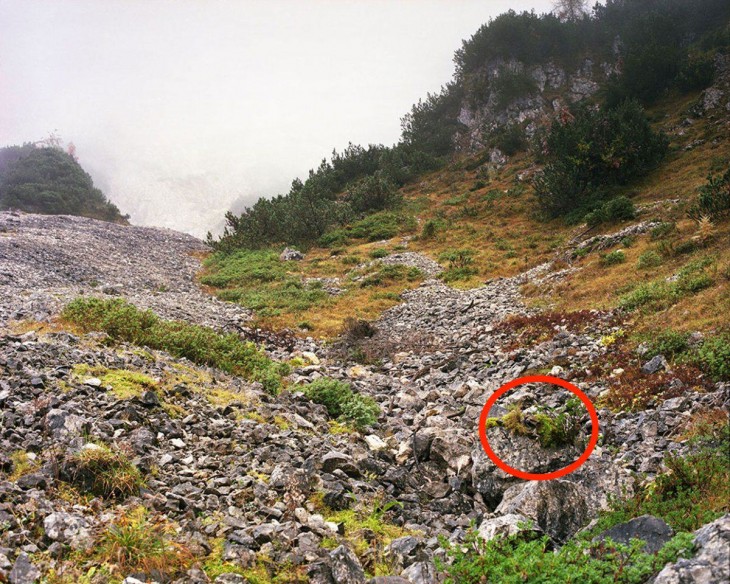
(538, 379)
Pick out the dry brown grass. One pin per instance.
(492, 212)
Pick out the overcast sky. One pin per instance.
(183, 109)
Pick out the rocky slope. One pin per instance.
(265, 483)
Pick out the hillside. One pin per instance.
(45, 179)
(308, 397)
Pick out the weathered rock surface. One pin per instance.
(711, 562)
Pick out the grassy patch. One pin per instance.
(258, 280)
(375, 227)
(343, 403)
(124, 384)
(368, 530)
(138, 541)
(386, 275)
(661, 294)
(125, 322)
(103, 471)
(23, 464)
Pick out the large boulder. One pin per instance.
(346, 568)
(558, 507)
(68, 528)
(506, 525)
(291, 254)
(651, 530)
(711, 561)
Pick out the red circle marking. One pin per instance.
(528, 476)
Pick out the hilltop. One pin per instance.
(43, 178)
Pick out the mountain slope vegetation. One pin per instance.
(46, 179)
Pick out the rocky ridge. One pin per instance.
(229, 464)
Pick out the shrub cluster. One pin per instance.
(713, 201)
(591, 150)
(103, 471)
(125, 322)
(51, 181)
(341, 402)
(517, 559)
(353, 183)
(659, 294)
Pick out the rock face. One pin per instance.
(484, 112)
(711, 562)
(653, 531)
(232, 466)
(559, 508)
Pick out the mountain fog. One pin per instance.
(183, 110)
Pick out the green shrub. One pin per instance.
(378, 253)
(618, 209)
(373, 193)
(341, 402)
(669, 343)
(517, 559)
(694, 491)
(663, 230)
(649, 259)
(592, 151)
(512, 85)
(125, 322)
(613, 258)
(713, 355)
(48, 180)
(510, 140)
(713, 200)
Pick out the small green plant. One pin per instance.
(613, 258)
(22, 464)
(378, 253)
(649, 259)
(552, 427)
(343, 403)
(460, 265)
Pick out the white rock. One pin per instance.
(375, 442)
(311, 357)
